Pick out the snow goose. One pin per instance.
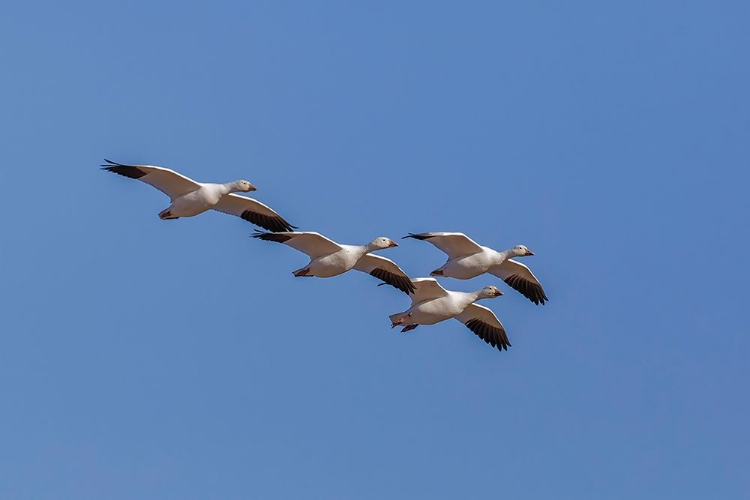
(328, 258)
(467, 259)
(191, 198)
(431, 303)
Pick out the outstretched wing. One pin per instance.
(165, 180)
(485, 325)
(252, 211)
(385, 270)
(454, 244)
(426, 289)
(313, 244)
(520, 278)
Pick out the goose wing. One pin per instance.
(426, 289)
(165, 180)
(313, 244)
(454, 244)
(485, 325)
(385, 270)
(252, 211)
(520, 278)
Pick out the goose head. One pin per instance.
(489, 292)
(521, 251)
(381, 242)
(243, 186)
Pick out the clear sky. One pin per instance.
(182, 360)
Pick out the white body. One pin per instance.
(436, 310)
(466, 267)
(196, 202)
(336, 263)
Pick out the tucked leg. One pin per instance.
(395, 320)
(166, 214)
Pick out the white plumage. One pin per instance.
(431, 303)
(467, 259)
(328, 258)
(190, 198)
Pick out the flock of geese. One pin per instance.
(430, 302)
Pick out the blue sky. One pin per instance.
(181, 359)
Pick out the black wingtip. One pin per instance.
(275, 224)
(130, 171)
(271, 236)
(415, 236)
(110, 163)
(532, 291)
(402, 283)
(493, 336)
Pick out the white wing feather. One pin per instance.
(165, 180)
(454, 244)
(313, 244)
(426, 289)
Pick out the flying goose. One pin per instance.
(328, 258)
(191, 198)
(467, 259)
(431, 303)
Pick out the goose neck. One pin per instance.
(231, 187)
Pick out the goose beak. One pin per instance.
(529, 252)
(392, 244)
(498, 293)
(252, 188)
